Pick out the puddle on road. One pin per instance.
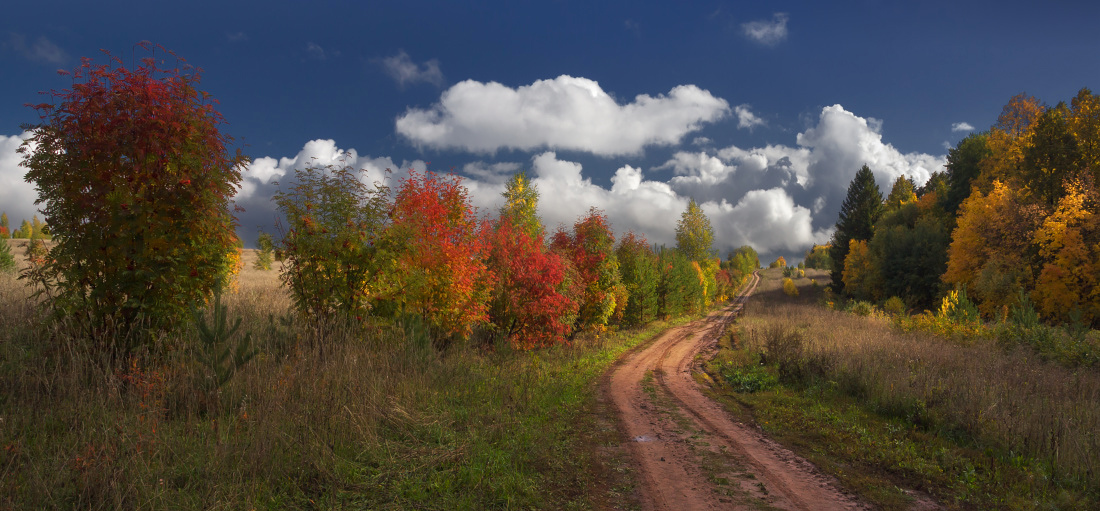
(642, 438)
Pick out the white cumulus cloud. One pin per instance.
(962, 126)
(814, 173)
(746, 119)
(563, 113)
(767, 32)
(404, 71)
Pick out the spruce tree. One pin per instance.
(861, 209)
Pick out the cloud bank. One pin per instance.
(780, 199)
(564, 113)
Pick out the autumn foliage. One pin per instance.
(440, 248)
(590, 247)
(1013, 222)
(528, 306)
(135, 178)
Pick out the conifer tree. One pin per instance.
(862, 207)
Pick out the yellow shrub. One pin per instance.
(789, 288)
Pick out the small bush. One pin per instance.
(789, 288)
(894, 306)
(7, 259)
(860, 308)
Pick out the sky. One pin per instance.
(760, 111)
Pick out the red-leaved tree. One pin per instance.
(591, 248)
(527, 306)
(440, 245)
(135, 179)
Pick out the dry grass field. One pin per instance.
(972, 422)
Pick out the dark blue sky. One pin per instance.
(288, 73)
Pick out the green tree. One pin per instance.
(694, 235)
(963, 167)
(741, 263)
(266, 255)
(1051, 157)
(331, 243)
(909, 253)
(25, 230)
(640, 274)
(903, 192)
(818, 258)
(521, 200)
(679, 290)
(7, 259)
(862, 207)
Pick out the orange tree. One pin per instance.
(135, 179)
(440, 247)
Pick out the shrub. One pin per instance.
(135, 178)
(7, 259)
(789, 288)
(334, 221)
(894, 305)
(860, 308)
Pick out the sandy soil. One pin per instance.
(689, 453)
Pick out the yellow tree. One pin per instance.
(902, 193)
(1068, 245)
(1008, 140)
(1084, 124)
(694, 234)
(990, 246)
(860, 274)
(521, 200)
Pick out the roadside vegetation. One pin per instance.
(900, 413)
(391, 347)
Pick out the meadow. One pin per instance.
(325, 416)
(897, 413)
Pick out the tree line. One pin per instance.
(1013, 221)
(136, 179)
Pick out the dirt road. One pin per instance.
(689, 453)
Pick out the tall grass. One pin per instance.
(979, 391)
(326, 416)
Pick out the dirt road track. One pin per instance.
(689, 453)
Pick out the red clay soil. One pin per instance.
(689, 452)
